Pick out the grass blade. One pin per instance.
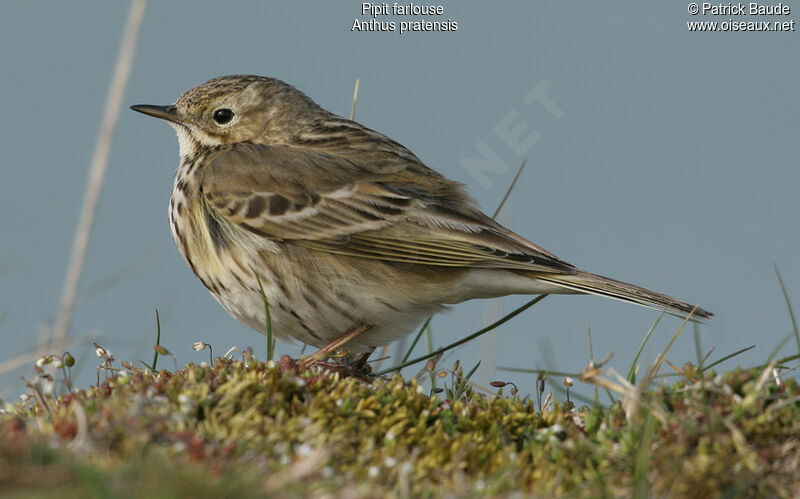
(631, 377)
(723, 359)
(779, 346)
(474, 335)
(698, 346)
(416, 339)
(591, 359)
(705, 358)
(158, 342)
(547, 372)
(462, 385)
(789, 306)
(510, 188)
(641, 483)
(270, 340)
(651, 373)
(780, 362)
(429, 347)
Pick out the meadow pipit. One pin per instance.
(352, 237)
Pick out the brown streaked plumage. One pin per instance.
(345, 228)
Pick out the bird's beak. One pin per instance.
(169, 113)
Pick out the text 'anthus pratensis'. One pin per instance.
(352, 237)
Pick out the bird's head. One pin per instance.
(235, 109)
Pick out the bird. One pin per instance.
(353, 239)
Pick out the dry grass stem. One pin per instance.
(97, 172)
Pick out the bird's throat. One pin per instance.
(188, 146)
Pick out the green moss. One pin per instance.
(254, 429)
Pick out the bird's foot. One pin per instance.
(349, 366)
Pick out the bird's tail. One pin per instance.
(584, 282)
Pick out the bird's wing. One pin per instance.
(397, 214)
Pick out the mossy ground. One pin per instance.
(248, 428)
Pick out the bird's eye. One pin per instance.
(222, 116)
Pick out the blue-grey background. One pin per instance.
(673, 165)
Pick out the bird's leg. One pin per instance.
(361, 359)
(346, 369)
(325, 352)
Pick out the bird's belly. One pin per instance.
(312, 298)
(316, 315)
